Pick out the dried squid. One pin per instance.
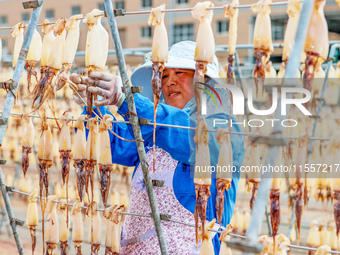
(293, 11)
(323, 250)
(45, 161)
(65, 145)
(79, 155)
(316, 45)
(205, 48)
(18, 33)
(27, 142)
(225, 159)
(225, 250)
(334, 152)
(64, 225)
(253, 177)
(95, 233)
(32, 216)
(116, 218)
(54, 63)
(299, 192)
(159, 57)
(97, 46)
(105, 159)
(78, 226)
(202, 178)
(262, 40)
(109, 228)
(232, 13)
(207, 245)
(275, 216)
(33, 56)
(71, 45)
(52, 225)
(91, 154)
(47, 44)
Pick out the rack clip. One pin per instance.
(119, 12)
(3, 121)
(17, 222)
(143, 121)
(156, 183)
(9, 188)
(271, 141)
(32, 4)
(3, 162)
(7, 85)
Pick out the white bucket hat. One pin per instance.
(181, 55)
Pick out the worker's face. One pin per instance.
(176, 86)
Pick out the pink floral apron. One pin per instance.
(139, 234)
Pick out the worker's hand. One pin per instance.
(80, 96)
(108, 86)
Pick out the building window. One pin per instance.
(119, 5)
(4, 43)
(146, 3)
(25, 17)
(183, 32)
(50, 14)
(3, 20)
(101, 6)
(181, 1)
(75, 10)
(145, 32)
(278, 29)
(222, 27)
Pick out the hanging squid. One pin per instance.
(32, 217)
(316, 45)
(54, 63)
(78, 226)
(262, 40)
(65, 145)
(45, 161)
(97, 46)
(223, 181)
(105, 159)
(293, 11)
(205, 48)
(64, 225)
(47, 44)
(232, 13)
(91, 155)
(116, 218)
(275, 216)
(95, 233)
(52, 225)
(202, 178)
(109, 228)
(17, 32)
(159, 57)
(225, 250)
(299, 192)
(207, 245)
(71, 45)
(27, 142)
(33, 56)
(253, 177)
(79, 155)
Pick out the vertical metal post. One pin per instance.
(7, 111)
(135, 124)
(10, 214)
(292, 66)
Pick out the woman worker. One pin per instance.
(175, 151)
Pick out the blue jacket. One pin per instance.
(180, 145)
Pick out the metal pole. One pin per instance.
(7, 111)
(135, 124)
(10, 214)
(292, 66)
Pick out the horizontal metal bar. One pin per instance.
(148, 122)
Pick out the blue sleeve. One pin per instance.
(173, 140)
(123, 152)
